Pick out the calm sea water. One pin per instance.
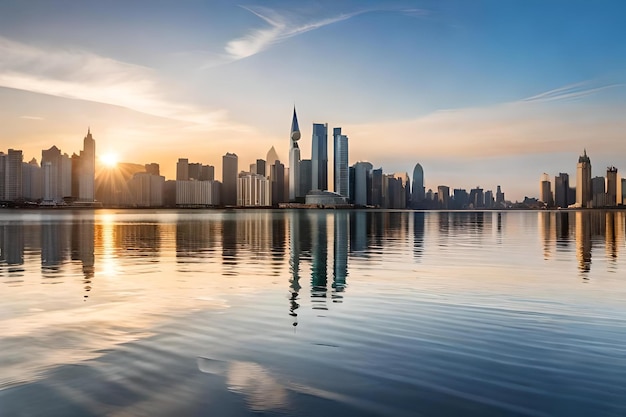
(312, 313)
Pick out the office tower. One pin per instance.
(277, 178)
(182, 169)
(230, 170)
(252, 168)
(207, 173)
(611, 186)
(194, 193)
(598, 192)
(443, 195)
(146, 190)
(499, 196)
(418, 186)
(377, 187)
(477, 198)
(340, 155)
(194, 171)
(545, 190)
(294, 158)
(319, 157)
(561, 190)
(31, 180)
(253, 190)
(260, 167)
(362, 183)
(306, 175)
(57, 175)
(153, 168)
(75, 181)
(272, 157)
(461, 199)
(405, 189)
(583, 181)
(489, 200)
(13, 175)
(86, 179)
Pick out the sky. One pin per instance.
(478, 92)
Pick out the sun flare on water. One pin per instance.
(109, 160)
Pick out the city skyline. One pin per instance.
(471, 91)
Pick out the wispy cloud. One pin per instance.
(31, 117)
(281, 27)
(83, 75)
(572, 91)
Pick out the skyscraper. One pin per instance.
(13, 175)
(545, 188)
(86, 179)
(230, 170)
(362, 183)
(611, 186)
(319, 157)
(340, 155)
(277, 178)
(418, 186)
(182, 169)
(294, 158)
(561, 190)
(583, 181)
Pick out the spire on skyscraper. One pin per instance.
(295, 129)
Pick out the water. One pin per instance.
(308, 313)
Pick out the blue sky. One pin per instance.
(479, 92)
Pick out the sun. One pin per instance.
(109, 160)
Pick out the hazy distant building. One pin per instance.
(561, 190)
(272, 157)
(182, 169)
(56, 175)
(545, 190)
(230, 170)
(611, 186)
(319, 157)
(87, 173)
(418, 186)
(583, 181)
(31, 180)
(341, 169)
(460, 199)
(477, 198)
(207, 173)
(194, 170)
(294, 158)
(153, 168)
(489, 200)
(499, 197)
(199, 193)
(362, 183)
(443, 195)
(146, 190)
(377, 187)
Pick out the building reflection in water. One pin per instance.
(418, 234)
(12, 246)
(340, 258)
(54, 244)
(319, 262)
(83, 243)
(295, 250)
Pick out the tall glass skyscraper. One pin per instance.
(418, 185)
(583, 181)
(341, 170)
(319, 157)
(86, 179)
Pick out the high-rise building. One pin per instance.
(146, 190)
(418, 186)
(362, 183)
(598, 192)
(272, 157)
(340, 155)
(13, 175)
(207, 173)
(319, 157)
(443, 195)
(545, 189)
(583, 181)
(477, 198)
(306, 175)
(611, 186)
(253, 190)
(489, 200)
(461, 198)
(499, 197)
(260, 167)
(57, 175)
(623, 195)
(194, 170)
(153, 168)
(377, 187)
(294, 158)
(31, 180)
(182, 169)
(230, 169)
(561, 190)
(87, 176)
(277, 178)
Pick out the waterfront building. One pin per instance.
(545, 190)
(584, 194)
(489, 200)
(12, 171)
(460, 199)
(57, 175)
(622, 200)
(277, 179)
(146, 190)
(198, 193)
(429, 195)
(319, 157)
(230, 171)
(194, 171)
(207, 173)
(253, 190)
(377, 187)
(598, 192)
(340, 156)
(294, 158)
(31, 180)
(182, 169)
(326, 199)
(306, 175)
(362, 183)
(87, 170)
(260, 167)
(477, 198)
(418, 186)
(611, 186)
(561, 190)
(499, 197)
(443, 196)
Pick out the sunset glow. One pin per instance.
(109, 160)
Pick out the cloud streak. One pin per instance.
(86, 76)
